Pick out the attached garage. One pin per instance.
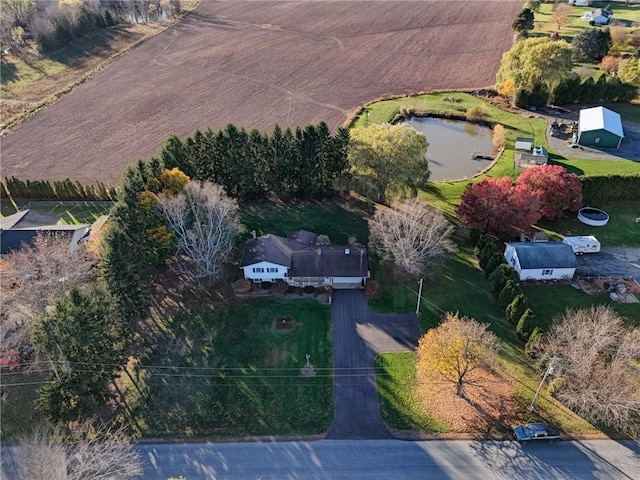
(600, 127)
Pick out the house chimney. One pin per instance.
(253, 234)
(347, 251)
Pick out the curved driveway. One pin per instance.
(359, 335)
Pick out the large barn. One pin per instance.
(600, 127)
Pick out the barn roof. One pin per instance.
(600, 118)
(535, 255)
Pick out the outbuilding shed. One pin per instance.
(600, 127)
(541, 260)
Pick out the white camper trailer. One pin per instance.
(583, 244)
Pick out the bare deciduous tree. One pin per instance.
(455, 351)
(596, 367)
(90, 453)
(561, 14)
(205, 222)
(411, 235)
(34, 276)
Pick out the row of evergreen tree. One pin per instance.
(300, 164)
(12, 187)
(574, 90)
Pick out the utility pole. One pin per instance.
(419, 297)
(546, 374)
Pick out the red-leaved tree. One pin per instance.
(497, 207)
(557, 189)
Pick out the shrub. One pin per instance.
(476, 113)
(556, 385)
(508, 293)
(499, 136)
(517, 307)
(500, 276)
(489, 250)
(526, 324)
(532, 347)
(266, 285)
(607, 188)
(309, 289)
(474, 237)
(492, 263)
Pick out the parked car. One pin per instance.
(536, 431)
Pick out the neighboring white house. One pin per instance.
(597, 17)
(541, 260)
(300, 260)
(21, 228)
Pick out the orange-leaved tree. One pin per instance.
(455, 351)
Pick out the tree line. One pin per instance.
(53, 25)
(66, 189)
(284, 165)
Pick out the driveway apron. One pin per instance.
(359, 335)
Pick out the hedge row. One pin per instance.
(58, 190)
(598, 189)
(504, 283)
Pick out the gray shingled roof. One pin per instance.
(267, 248)
(533, 255)
(305, 257)
(11, 240)
(28, 219)
(330, 261)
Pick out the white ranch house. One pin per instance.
(541, 260)
(300, 260)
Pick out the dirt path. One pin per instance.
(359, 335)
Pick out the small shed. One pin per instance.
(600, 127)
(523, 143)
(541, 260)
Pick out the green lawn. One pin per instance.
(621, 229)
(339, 220)
(549, 301)
(75, 212)
(224, 371)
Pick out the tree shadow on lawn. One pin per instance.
(9, 71)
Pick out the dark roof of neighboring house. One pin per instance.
(267, 248)
(305, 257)
(28, 219)
(533, 255)
(11, 240)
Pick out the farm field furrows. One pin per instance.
(255, 64)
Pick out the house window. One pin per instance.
(272, 270)
(258, 270)
(597, 140)
(547, 272)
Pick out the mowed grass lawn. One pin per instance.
(226, 372)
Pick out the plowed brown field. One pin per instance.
(256, 64)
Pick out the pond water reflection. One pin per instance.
(452, 144)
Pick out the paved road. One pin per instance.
(384, 460)
(395, 459)
(359, 335)
(611, 262)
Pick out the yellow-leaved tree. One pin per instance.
(455, 352)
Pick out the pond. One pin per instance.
(452, 145)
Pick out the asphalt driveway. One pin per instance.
(610, 262)
(359, 335)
